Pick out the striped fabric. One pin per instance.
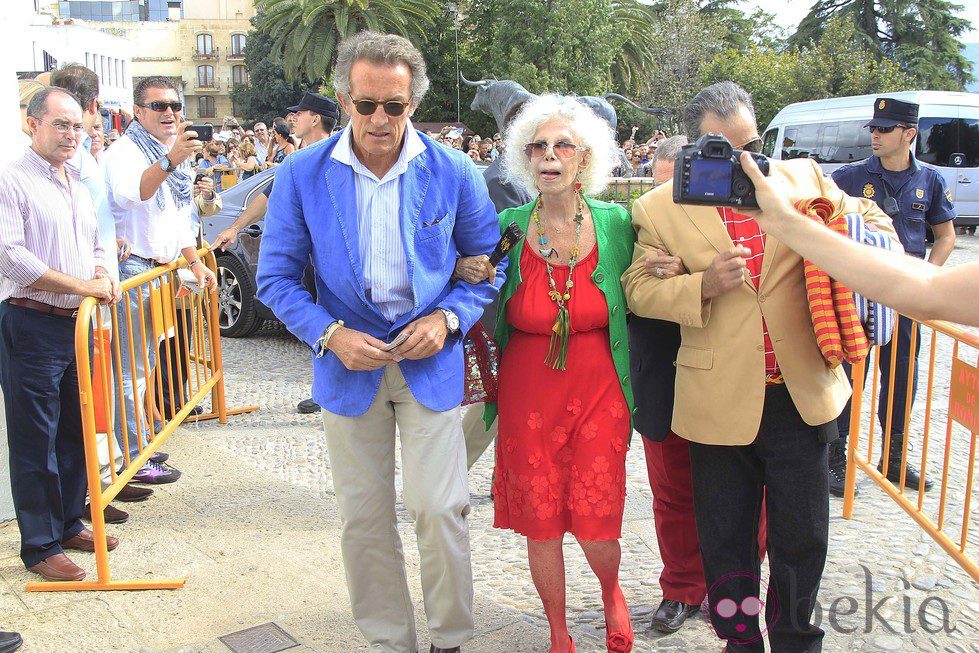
(45, 224)
(877, 319)
(744, 231)
(839, 333)
(382, 251)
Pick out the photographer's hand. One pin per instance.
(773, 193)
(725, 273)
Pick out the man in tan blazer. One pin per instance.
(754, 395)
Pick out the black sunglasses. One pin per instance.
(160, 106)
(392, 107)
(886, 130)
(754, 145)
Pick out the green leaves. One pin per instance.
(307, 32)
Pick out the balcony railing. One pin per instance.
(236, 56)
(213, 55)
(212, 87)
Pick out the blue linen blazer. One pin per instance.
(312, 215)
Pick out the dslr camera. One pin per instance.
(709, 172)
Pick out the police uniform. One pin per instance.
(913, 198)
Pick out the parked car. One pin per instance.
(241, 314)
(831, 132)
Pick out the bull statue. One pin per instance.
(500, 99)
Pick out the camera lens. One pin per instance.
(740, 187)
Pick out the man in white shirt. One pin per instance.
(149, 181)
(262, 141)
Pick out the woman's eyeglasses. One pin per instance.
(392, 108)
(160, 106)
(561, 149)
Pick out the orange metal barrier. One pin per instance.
(946, 521)
(186, 327)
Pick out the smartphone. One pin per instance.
(397, 342)
(205, 133)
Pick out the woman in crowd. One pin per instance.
(911, 286)
(248, 162)
(214, 163)
(283, 143)
(564, 401)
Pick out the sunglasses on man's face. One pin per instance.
(754, 145)
(885, 130)
(562, 149)
(393, 108)
(160, 106)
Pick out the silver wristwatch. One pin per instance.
(451, 320)
(165, 165)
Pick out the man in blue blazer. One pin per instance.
(384, 211)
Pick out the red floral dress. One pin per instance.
(563, 435)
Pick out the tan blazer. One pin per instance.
(720, 381)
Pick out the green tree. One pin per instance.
(563, 46)
(837, 65)
(267, 93)
(307, 32)
(921, 36)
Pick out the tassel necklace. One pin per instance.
(557, 353)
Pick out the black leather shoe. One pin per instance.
(670, 615)
(837, 469)
(308, 407)
(436, 649)
(10, 642)
(912, 479)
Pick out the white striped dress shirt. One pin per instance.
(45, 224)
(382, 249)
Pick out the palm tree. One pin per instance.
(307, 32)
(634, 21)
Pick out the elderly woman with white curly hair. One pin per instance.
(564, 401)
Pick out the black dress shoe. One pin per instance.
(912, 478)
(10, 642)
(133, 493)
(837, 469)
(670, 615)
(436, 649)
(308, 407)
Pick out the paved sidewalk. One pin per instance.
(254, 528)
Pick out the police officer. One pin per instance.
(913, 196)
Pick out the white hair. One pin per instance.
(591, 130)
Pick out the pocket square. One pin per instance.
(435, 221)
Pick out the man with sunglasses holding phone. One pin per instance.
(151, 189)
(914, 196)
(384, 210)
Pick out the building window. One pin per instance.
(239, 75)
(237, 45)
(205, 107)
(205, 44)
(205, 76)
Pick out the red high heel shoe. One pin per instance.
(618, 642)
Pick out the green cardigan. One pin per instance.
(615, 237)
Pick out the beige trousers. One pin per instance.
(436, 495)
(478, 437)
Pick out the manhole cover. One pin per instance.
(267, 638)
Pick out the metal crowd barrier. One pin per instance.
(625, 190)
(184, 331)
(949, 403)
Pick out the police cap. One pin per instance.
(889, 112)
(320, 104)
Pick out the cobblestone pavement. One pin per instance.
(879, 557)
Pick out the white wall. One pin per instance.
(110, 56)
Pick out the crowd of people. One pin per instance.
(684, 323)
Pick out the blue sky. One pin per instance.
(789, 12)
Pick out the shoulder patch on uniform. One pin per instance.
(919, 193)
(948, 194)
(868, 191)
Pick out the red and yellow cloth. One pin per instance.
(835, 320)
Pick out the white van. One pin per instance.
(832, 132)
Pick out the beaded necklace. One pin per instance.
(557, 353)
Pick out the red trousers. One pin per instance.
(668, 466)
